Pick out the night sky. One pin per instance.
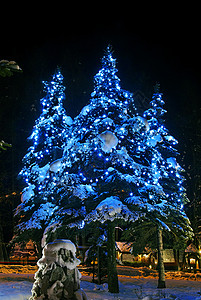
(149, 46)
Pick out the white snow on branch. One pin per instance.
(56, 165)
(27, 193)
(122, 154)
(154, 140)
(83, 191)
(110, 209)
(163, 225)
(68, 120)
(170, 138)
(109, 140)
(144, 122)
(42, 172)
(43, 213)
(172, 162)
(86, 109)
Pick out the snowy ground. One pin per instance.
(15, 286)
(138, 288)
(18, 287)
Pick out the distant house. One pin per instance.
(192, 258)
(123, 252)
(124, 255)
(173, 259)
(24, 254)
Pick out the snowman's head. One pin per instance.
(62, 252)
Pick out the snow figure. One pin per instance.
(58, 277)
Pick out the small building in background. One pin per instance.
(124, 252)
(188, 259)
(24, 254)
(192, 258)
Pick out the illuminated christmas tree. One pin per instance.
(105, 150)
(49, 133)
(169, 175)
(165, 168)
(47, 138)
(115, 165)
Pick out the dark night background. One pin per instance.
(150, 45)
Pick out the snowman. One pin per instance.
(58, 277)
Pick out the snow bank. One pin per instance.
(130, 289)
(14, 290)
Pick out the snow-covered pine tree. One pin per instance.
(104, 150)
(106, 138)
(168, 174)
(47, 138)
(49, 133)
(110, 162)
(166, 171)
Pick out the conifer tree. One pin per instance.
(107, 151)
(96, 162)
(116, 165)
(47, 138)
(112, 163)
(167, 173)
(165, 168)
(49, 133)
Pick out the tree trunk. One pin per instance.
(176, 256)
(99, 265)
(1, 244)
(161, 268)
(3, 251)
(113, 285)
